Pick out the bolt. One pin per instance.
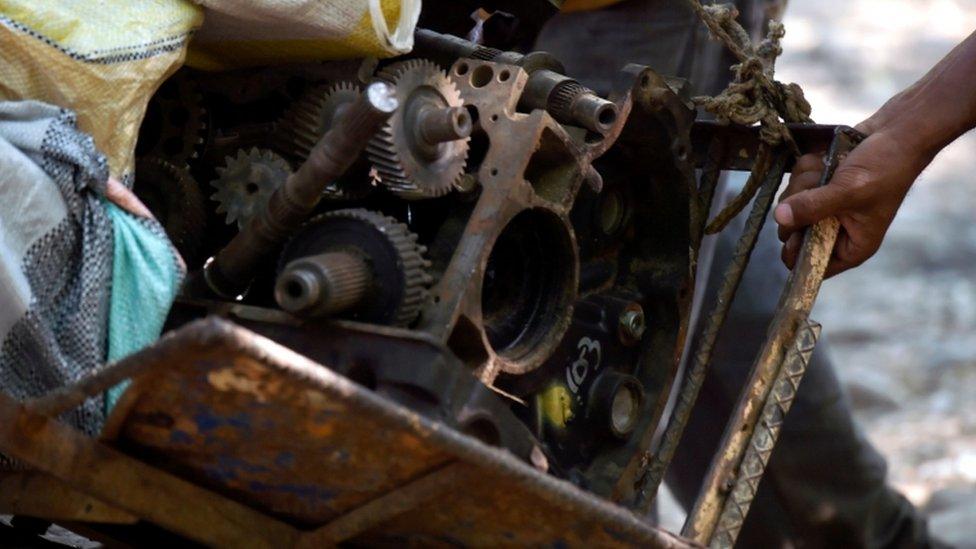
(632, 323)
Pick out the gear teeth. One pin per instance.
(175, 198)
(395, 165)
(308, 119)
(246, 182)
(180, 142)
(561, 100)
(413, 264)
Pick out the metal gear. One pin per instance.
(398, 277)
(307, 120)
(422, 150)
(175, 198)
(245, 183)
(175, 122)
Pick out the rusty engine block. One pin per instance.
(469, 232)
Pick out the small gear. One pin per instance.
(399, 271)
(246, 182)
(175, 198)
(175, 122)
(403, 160)
(307, 120)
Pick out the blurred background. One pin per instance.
(903, 326)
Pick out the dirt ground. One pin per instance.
(903, 326)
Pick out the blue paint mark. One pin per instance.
(220, 475)
(560, 544)
(285, 460)
(233, 463)
(508, 535)
(207, 421)
(177, 436)
(310, 492)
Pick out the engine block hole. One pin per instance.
(528, 286)
(481, 76)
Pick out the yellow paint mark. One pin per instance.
(556, 404)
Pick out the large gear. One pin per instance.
(174, 197)
(307, 120)
(245, 183)
(398, 277)
(175, 122)
(402, 159)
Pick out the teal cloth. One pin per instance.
(145, 280)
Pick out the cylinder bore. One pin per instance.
(528, 288)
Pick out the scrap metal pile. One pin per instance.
(478, 198)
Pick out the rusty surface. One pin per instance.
(793, 309)
(132, 486)
(255, 421)
(764, 438)
(745, 141)
(702, 357)
(42, 496)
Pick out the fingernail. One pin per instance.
(784, 215)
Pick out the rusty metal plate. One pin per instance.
(250, 419)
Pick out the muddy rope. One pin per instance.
(753, 96)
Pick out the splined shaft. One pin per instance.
(230, 271)
(323, 284)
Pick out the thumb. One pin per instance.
(807, 207)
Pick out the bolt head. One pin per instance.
(632, 325)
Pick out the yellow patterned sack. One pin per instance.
(258, 32)
(101, 59)
(104, 59)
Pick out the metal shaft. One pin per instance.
(713, 324)
(229, 272)
(764, 438)
(323, 284)
(442, 125)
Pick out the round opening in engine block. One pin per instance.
(528, 288)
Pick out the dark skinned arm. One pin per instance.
(871, 183)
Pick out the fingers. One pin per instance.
(122, 197)
(812, 162)
(799, 182)
(791, 249)
(807, 207)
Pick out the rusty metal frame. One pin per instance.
(739, 463)
(130, 485)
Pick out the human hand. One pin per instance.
(864, 194)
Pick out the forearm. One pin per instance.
(937, 109)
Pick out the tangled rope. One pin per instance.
(753, 96)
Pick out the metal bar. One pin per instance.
(764, 439)
(69, 397)
(808, 137)
(705, 191)
(732, 209)
(794, 307)
(43, 496)
(388, 506)
(229, 272)
(696, 375)
(130, 485)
